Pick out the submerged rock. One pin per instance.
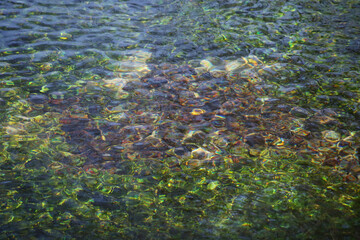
(38, 98)
(201, 154)
(215, 111)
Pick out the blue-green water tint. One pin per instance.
(64, 174)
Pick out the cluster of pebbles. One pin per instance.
(208, 114)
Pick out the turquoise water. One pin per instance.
(179, 119)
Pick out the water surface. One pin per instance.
(179, 119)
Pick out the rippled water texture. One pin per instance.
(163, 119)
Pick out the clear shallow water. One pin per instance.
(72, 163)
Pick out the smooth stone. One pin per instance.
(156, 82)
(180, 151)
(255, 139)
(2, 102)
(38, 98)
(299, 112)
